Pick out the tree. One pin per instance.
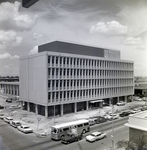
(127, 144)
(139, 143)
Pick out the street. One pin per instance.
(16, 140)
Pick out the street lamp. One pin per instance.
(112, 136)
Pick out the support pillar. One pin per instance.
(36, 109)
(61, 109)
(28, 106)
(125, 99)
(75, 107)
(87, 105)
(46, 111)
(117, 99)
(110, 101)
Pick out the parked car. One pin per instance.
(9, 100)
(25, 128)
(121, 103)
(15, 123)
(135, 110)
(1, 107)
(15, 107)
(125, 113)
(95, 136)
(101, 119)
(105, 104)
(144, 108)
(8, 119)
(112, 116)
(70, 137)
(2, 116)
(138, 99)
(92, 121)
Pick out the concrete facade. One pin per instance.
(9, 88)
(55, 82)
(137, 124)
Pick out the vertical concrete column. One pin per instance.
(75, 107)
(46, 111)
(36, 109)
(125, 99)
(28, 106)
(87, 105)
(10, 90)
(13, 89)
(117, 99)
(17, 91)
(61, 106)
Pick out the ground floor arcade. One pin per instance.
(66, 108)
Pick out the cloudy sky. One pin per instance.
(114, 24)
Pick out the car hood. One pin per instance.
(89, 137)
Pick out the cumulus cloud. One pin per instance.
(132, 41)
(12, 19)
(37, 35)
(110, 28)
(34, 50)
(8, 56)
(9, 39)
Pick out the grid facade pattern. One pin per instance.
(72, 79)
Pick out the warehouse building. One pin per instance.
(66, 77)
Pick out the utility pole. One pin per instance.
(112, 136)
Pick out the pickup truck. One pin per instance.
(71, 137)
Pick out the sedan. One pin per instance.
(95, 136)
(25, 129)
(15, 106)
(2, 116)
(8, 119)
(125, 113)
(112, 116)
(1, 107)
(121, 103)
(15, 123)
(9, 100)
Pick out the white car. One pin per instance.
(8, 119)
(15, 123)
(121, 103)
(138, 99)
(15, 106)
(95, 136)
(112, 116)
(25, 128)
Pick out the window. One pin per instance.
(79, 125)
(65, 129)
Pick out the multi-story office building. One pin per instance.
(9, 86)
(66, 77)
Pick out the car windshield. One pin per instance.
(26, 127)
(54, 130)
(93, 134)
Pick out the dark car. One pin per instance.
(1, 107)
(125, 113)
(101, 119)
(9, 100)
(71, 137)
